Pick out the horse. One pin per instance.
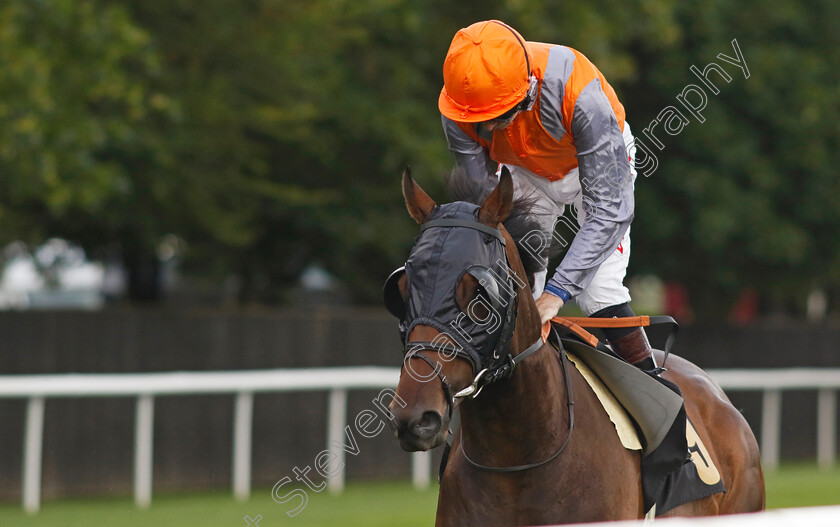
(520, 457)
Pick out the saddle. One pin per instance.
(671, 472)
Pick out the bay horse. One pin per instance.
(520, 456)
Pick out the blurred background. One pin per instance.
(214, 185)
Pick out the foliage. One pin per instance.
(75, 97)
(268, 135)
(748, 198)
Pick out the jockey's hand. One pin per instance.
(548, 306)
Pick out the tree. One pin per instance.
(748, 198)
(269, 135)
(76, 100)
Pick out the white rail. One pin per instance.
(337, 381)
(772, 383)
(146, 386)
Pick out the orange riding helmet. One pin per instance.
(487, 72)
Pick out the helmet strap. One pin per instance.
(531, 98)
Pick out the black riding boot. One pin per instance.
(631, 344)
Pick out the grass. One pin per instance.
(802, 485)
(362, 504)
(369, 505)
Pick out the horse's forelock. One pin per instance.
(520, 222)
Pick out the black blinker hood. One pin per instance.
(451, 244)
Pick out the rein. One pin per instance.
(503, 371)
(570, 399)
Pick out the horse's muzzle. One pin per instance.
(417, 429)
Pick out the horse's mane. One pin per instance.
(519, 222)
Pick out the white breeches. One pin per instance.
(607, 286)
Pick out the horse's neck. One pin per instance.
(519, 419)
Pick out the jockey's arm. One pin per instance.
(471, 157)
(607, 187)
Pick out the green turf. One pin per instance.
(368, 505)
(802, 486)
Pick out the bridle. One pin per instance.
(501, 363)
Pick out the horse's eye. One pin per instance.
(472, 298)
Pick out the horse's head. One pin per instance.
(457, 299)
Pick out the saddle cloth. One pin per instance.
(698, 477)
(618, 415)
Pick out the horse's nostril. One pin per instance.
(427, 426)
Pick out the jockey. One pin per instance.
(549, 115)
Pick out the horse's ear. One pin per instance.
(498, 204)
(418, 203)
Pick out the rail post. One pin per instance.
(33, 454)
(143, 455)
(336, 421)
(242, 431)
(771, 424)
(826, 428)
(421, 469)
